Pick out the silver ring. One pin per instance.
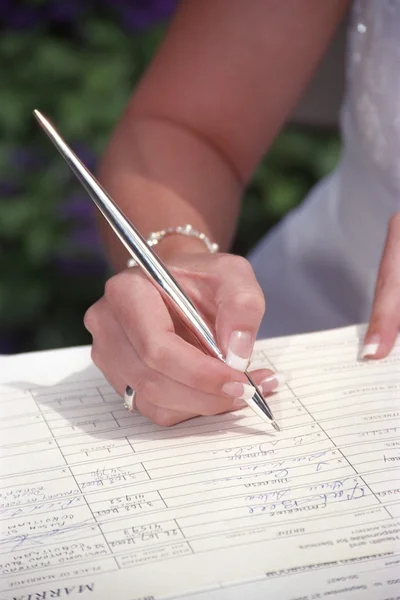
(129, 398)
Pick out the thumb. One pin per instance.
(385, 316)
(240, 306)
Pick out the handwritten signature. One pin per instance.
(322, 494)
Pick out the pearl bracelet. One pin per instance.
(187, 230)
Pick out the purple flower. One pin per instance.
(21, 159)
(19, 16)
(74, 266)
(78, 207)
(9, 188)
(86, 237)
(140, 14)
(64, 12)
(85, 155)
(135, 14)
(79, 210)
(22, 15)
(25, 158)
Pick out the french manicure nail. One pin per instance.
(273, 382)
(370, 347)
(242, 391)
(239, 350)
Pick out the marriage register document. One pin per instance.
(97, 502)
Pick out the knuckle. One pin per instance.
(253, 302)
(223, 258)
(112, 288)
(232, 261)
(146, 389)
(257, 303)
(239, 262)
(94, 316)
(90, 319)
(154, 354)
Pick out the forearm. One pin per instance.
(214, 97)
(163, 175)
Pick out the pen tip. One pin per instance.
(275, 425)
(38, 116)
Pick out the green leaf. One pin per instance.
(22, 299)
(15, 216)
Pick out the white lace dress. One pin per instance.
(318, 267)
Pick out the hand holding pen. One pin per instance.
(138, 340)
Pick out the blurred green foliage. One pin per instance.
(80, 71)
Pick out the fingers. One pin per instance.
(385, 317)
(165, 417)
(147, 324)
(160, 399)
(240, 308)
(166, 403)
(168, 394)
(268, 381)
(112, 352)
(121, 366)
(135, 343)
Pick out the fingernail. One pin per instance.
(273, 382)
(237, 390)
(239, 350)
(370, 347)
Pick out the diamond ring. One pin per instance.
(129, 398)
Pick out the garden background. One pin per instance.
(77, 61)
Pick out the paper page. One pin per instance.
(97, 502)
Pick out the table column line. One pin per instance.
(77, 484)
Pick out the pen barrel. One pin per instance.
(149, 262)
(152, 266)
(157, 273)
(137, 246)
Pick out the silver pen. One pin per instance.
(149, 262)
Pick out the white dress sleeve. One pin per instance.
(318, 266)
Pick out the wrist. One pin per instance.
(176, 241)
(175, 246)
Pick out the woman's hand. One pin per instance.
(385, 318)
(137, 342)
